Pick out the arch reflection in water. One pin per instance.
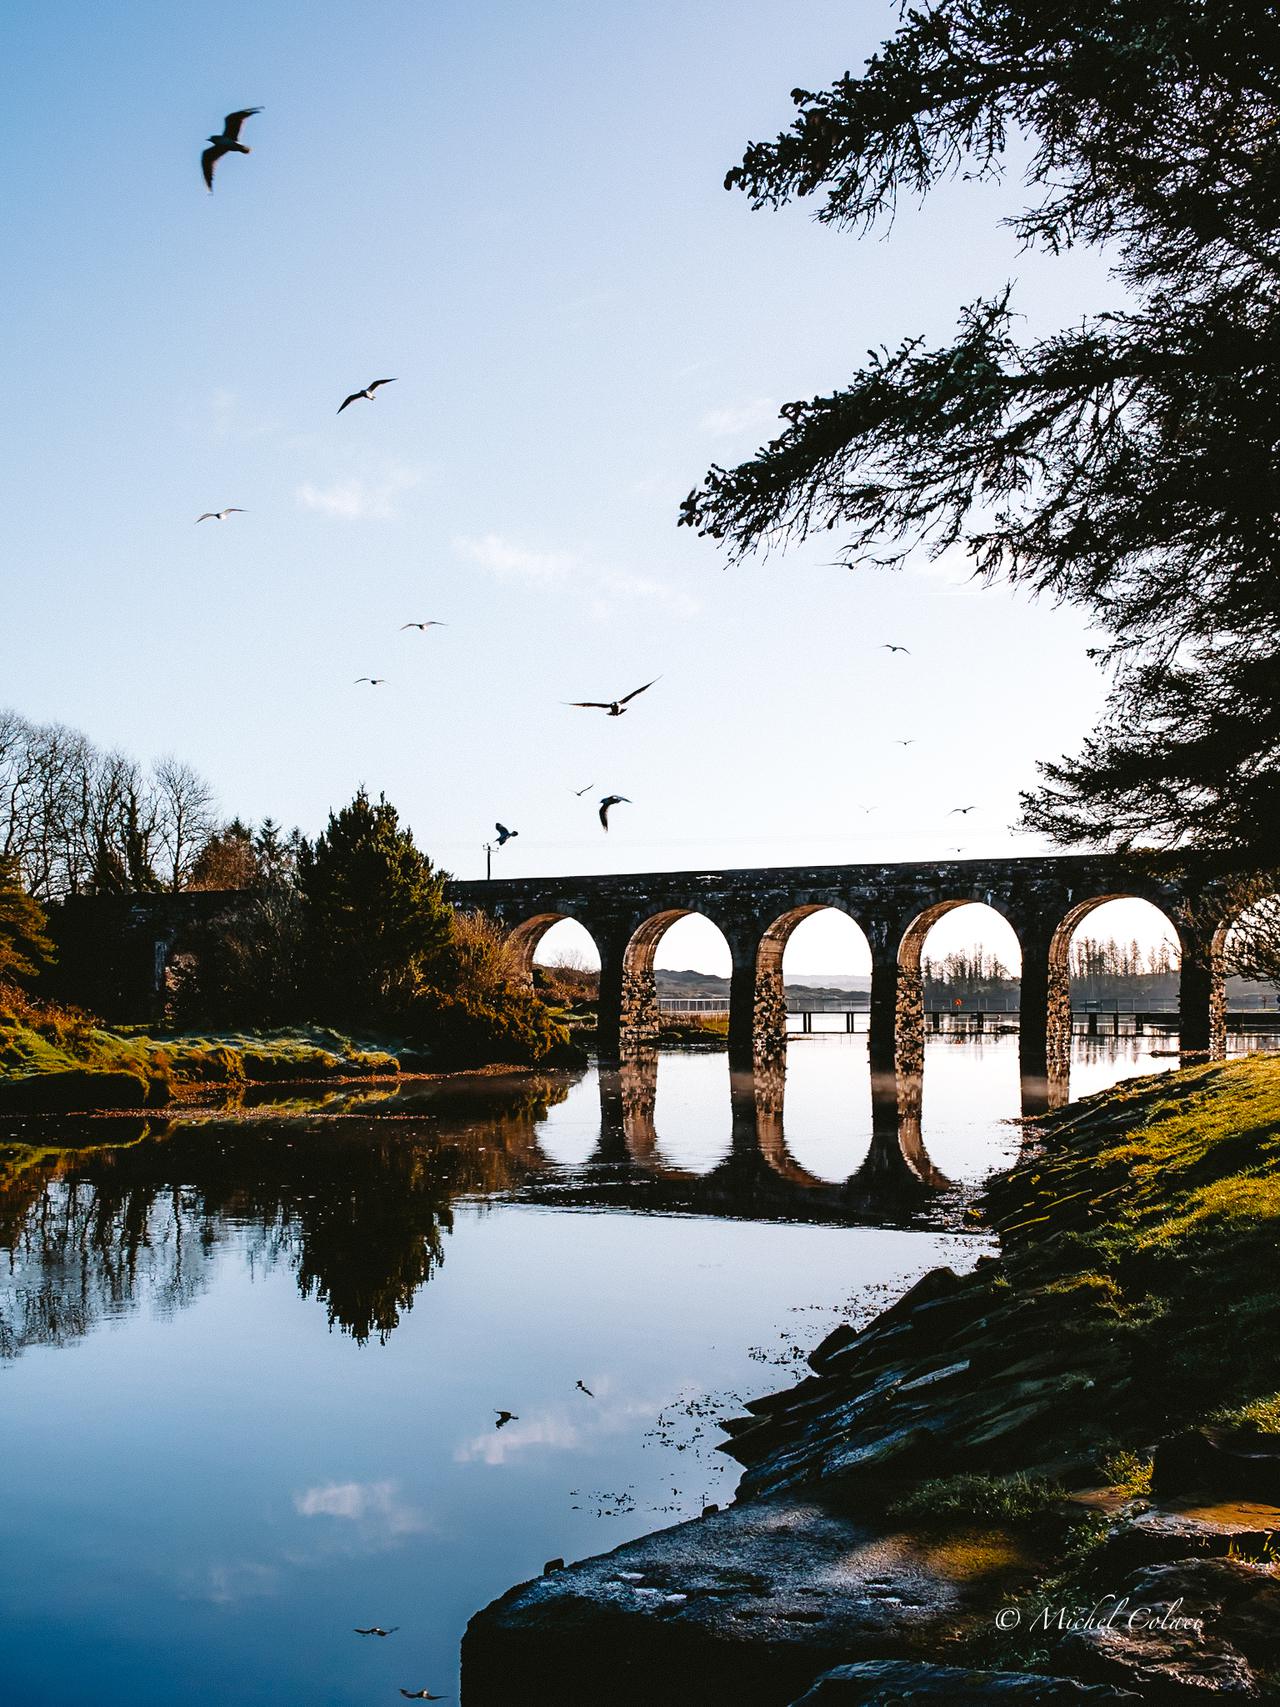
(759, 1177)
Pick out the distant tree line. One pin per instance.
(972, 975)
(351, 929)
(77, 820)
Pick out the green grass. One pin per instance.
(1145, 1229)
(1261, 1414)
(1011, 1499)
(55, 1058)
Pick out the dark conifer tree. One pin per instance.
(1128, 463)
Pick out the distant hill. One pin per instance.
(1147, 990)
(691, 983)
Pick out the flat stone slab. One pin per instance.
(894, 1683)
(1241, 1529)
(743, 1608)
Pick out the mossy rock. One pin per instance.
(203, 1063)
(79, 1090)
(293, 1062)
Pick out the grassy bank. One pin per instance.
(1137, 1295)
(56, 1059)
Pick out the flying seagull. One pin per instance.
(583, 1388)
(910, 743)
(376, 1630)
(609, 800)
(219, 515)
(367, 392)
(505, 1417)
(432, 624)
(373, 681)
(614, 707)
(962, 810)
(504, 835)
(422, 1695)
(888, 646)
(579, 792)
(228, 143)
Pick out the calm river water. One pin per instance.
(250, 1368)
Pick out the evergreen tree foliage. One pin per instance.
(1127, 463)
(24, 942)
(374, 912)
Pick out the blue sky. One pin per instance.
(518, 212)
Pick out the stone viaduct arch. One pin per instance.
(1043, 900)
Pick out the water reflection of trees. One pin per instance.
(357, 1207)
(356, 1201)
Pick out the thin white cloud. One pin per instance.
(357, 500)
(226, 1585)
(556, 1429)
(499, 1444)
(616, 587)
(950, 573)
(230, 419)
(605, 590)
(374, 1505)
(737, 417)
(503, 557)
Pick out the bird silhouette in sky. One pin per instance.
(504, 835)
(909, 743)
(962, 810)
(434, 623)
(228, 143)
(366, 393)
(614, 707)
(422, 1695)
(609, 800)
(579, 792)
(373, 681)
(888, 646)
(219, 515)
(376, 1630)
(583, 1388)
(505, 1417)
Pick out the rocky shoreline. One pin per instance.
(1054, 1479)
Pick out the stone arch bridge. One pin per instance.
(1043, 899)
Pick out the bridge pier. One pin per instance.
(882, 1018)
(1202, 993)
(609, 1004)
(1044, 1007)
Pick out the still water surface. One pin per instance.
(249, 1367)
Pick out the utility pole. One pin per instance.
(488, 861)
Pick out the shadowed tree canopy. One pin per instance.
(1127, 463)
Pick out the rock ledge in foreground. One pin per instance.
(879, 1683)
(740, 1609)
